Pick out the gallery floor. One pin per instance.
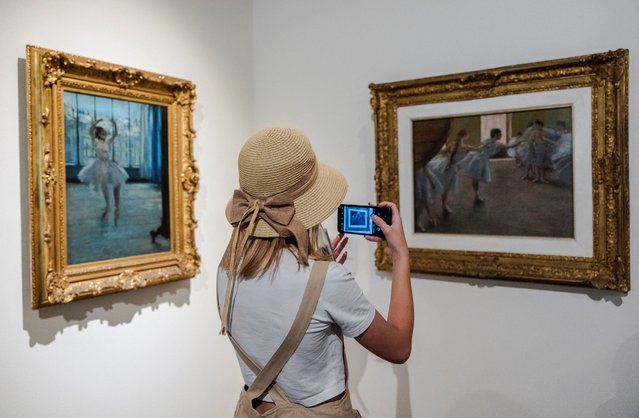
(92, 237)
(511, 206)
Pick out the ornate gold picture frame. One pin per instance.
(517, 173)
(112, 177)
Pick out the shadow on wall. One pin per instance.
(357, 360)
(44, 324)
(487, 404)
(403, 407)
(625, 371)
(616, 298)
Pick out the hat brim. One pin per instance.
(313, 206)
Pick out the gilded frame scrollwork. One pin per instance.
(606, 74)
(53, 280)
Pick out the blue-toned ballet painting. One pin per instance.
(116, 178)
(505, 173)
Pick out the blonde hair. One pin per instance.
(261, 254)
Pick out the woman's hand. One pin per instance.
(338, 244)
(394, 233)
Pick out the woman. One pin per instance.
(264, 285)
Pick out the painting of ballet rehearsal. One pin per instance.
(112, 177)
(498, 174)
(516, 173)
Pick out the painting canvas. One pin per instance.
(116, 178)
(507, 173)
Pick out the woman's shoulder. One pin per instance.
(337, 271)
(336, 275)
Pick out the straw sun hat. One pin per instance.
(280, 160)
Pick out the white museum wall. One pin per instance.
(481, 348)
(154, 352)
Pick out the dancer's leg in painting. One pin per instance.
(446, 209)
(478, 198)
(105, 194)
(425, 212)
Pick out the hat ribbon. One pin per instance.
(279, 212)
(252, 212)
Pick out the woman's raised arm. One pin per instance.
(392, 338)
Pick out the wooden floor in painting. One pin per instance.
(511, 206)
(92, 238)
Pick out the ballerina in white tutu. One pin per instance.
(103, 173)
(477, 163)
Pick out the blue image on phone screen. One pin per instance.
(358, 220)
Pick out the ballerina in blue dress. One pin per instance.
(518, 142)
(427, 188)
(103, 173)
(477, 162)
(444, 166)
(536, 154)
(561, 155)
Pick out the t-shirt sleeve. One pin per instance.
(344, 301)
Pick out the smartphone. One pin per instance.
(357, 219)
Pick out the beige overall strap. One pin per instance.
(276, 393)
(295, 334)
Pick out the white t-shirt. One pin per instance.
(263, 309)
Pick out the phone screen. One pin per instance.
(357, 219)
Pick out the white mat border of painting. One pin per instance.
(579, 246)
